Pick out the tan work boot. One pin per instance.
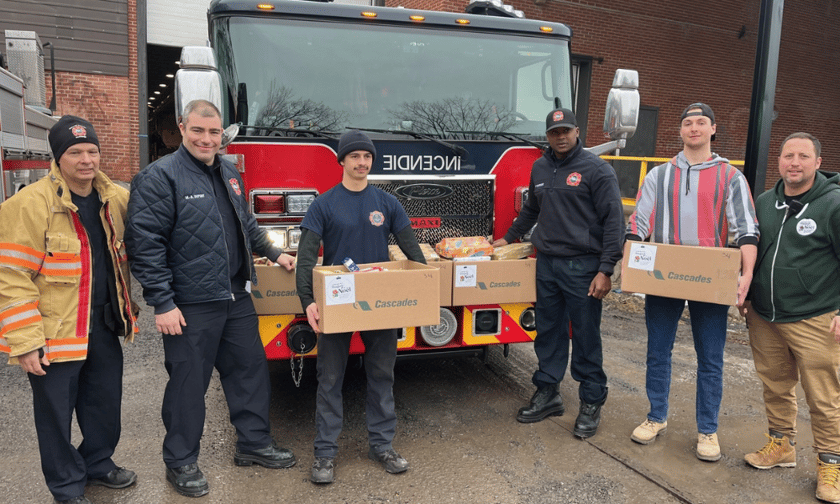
(778, 452)
(828, 470)
(647, 432)
(708, 448)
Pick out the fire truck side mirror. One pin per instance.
(197, 79)
(229, 134)
(622, 114)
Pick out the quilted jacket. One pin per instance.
(174, 236)
(45, 269)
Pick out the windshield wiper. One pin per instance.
(456, 149)
(505, 134)
(290, 132)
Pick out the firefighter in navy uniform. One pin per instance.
(354, 219)
(64, 302)
(576, 204)
(190, 237)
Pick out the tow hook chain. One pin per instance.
(299, 376)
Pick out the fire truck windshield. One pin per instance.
(325, 76)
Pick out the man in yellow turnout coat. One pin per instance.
(64, 302)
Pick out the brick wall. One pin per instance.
(691, 51)
(110, 104)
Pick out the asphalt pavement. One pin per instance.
(456, 427)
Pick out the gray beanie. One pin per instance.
(354, 140)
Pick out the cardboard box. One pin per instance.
(275, 292)
(707, 274)
(406, 295)
(493, 282)
(445, 266)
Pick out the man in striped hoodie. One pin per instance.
(699, 199)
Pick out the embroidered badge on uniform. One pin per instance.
(235, 185)
(78, 131)
(574, 179)
(376, 218)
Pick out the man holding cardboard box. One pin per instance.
(354, 220)
(792, 313)
(575, 201)
(697, 198)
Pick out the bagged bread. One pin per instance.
(513, 251)
(469, 246)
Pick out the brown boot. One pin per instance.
(778, 452)
(828, 483)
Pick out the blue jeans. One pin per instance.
(562, 296)
(708, 326)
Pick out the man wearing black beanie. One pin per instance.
(353, 219)
(64, 301)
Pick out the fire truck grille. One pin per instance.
(444, 208)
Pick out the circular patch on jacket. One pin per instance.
(235, 185)
(574, 179)
(806, 227)
(376, 218)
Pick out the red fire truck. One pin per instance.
(24, 121)
(455, 104)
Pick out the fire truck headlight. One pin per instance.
(442, 333)
(299, 203)
(294, 238)
(278, 237)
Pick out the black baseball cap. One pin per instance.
(560, 118)
(705, 110)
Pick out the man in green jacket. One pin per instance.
(793, 320)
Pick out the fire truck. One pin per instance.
(24, 121)
(454, 102)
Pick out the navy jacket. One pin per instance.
(576, 205)
(175, 238)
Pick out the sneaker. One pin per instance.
(828, 470)
(778, 452)
(118, 478)
(75, 500)
(188, 480)
(390, 460)
(271, 456)
(323, 470)
(708, 448)
(647, 432)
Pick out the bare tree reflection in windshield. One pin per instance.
(449, 116)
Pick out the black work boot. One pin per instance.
(586, 423)
(545, 402)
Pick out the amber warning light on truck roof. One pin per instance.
(265, 6)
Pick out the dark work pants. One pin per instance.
(562, 288)
(380, 356)
(224, 335)
(93, 389)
